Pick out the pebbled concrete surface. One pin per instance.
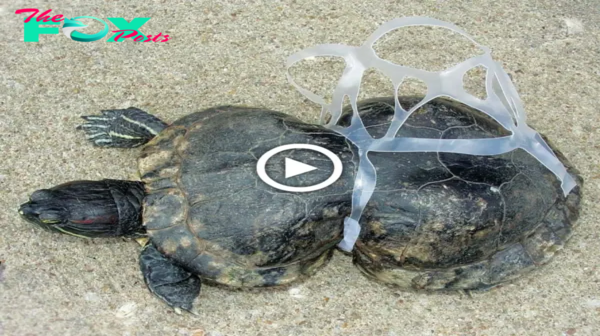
(234, 52)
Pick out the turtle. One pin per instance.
(436, 221)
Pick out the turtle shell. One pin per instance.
(454, 221)
(207, 209)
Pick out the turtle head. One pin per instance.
(60, 211)
(86, 208)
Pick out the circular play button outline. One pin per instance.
(337, 168)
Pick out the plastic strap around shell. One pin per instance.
(502, 104)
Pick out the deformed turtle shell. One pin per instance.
(435, 220)
(454, 221)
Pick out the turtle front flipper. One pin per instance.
(127, 128)
(174, 285)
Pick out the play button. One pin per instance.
(295, 168)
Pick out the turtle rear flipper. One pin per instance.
(126, 128)
(174, 285)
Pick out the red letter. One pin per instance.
(138, 38)
(25, 10)
(166, 38)
(42, 17)
(57, 18)
(156, 37)
(134, 32)
(149, 38)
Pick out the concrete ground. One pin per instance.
(224, 52)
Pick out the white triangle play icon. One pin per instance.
(293, 168)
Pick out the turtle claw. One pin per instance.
(126, 128)
(179, 311)
(99, 129)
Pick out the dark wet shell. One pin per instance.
(208, 210)
(453, 221)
